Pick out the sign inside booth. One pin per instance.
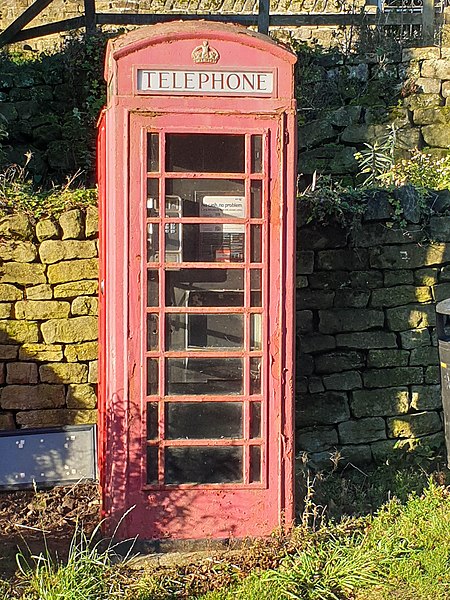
(170, 81)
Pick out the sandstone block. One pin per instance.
(429, 85)
(309, 299)
(412, 316)
(429, 116)
(429, 52)
(317, 343)
(321, 409)
(41, 352)
(399, 277)
(425, 355)
(21, 373)
(321, 238)
(409, 256)
(93, 371)
(8, 352)
(305, 262)
(426, 397)
(342, 320)
(376, 234)
(73, 270)
(301, 281)
(399, 376)
(91, 225)
(382, 402)
(432, 374)
(69, 331)
(348, 380)
(445, 273)
(18, 332)
(7, 421)
(435, 68)
(316, 439)
(427, 276)
(16, 226)
(53, 251)
(17, 251)
(32, 397)
(75, 288)
(446, 89)
(351, 298)
(363, 280)
(304, 364)
(5, 310)
(41, 310)
(414, 425)
(437, 135)
(414, 338)
(71, 223)
(85, 305)
(441, 291)
(81, 396)
(81, 352)
(359, 454)
(39, 292)
(387, 358)
(367, 340)
(315, 385)
(333, 362)
(64, 373)
(383, 450)
(22, 273)
(370, 429)
(304, 321)
(46, 230)
(9, 293)
(401, 294)
(415, 101)
(56, 418)
(344, 259)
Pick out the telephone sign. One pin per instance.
(196, 176)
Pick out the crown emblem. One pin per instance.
(205, 54)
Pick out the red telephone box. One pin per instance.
(197, 170)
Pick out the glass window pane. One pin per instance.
(152, 332)
(256, 153)
(152, 242)
(205, 153)
(204, 332)
(152, 152)
(202, 420)
(255, 376)
(152, 465)
(152, 420)
(256, 199)
(204, 376)
(203, 464)
(255, 242)
(255, 464)
(152, 377)
(152, 288)
(256, 290)
(173, 237)
(255, 332)
(204, 243)
(152, 198)
(255, 419)
(205, 287)
(215, 198)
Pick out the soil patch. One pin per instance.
(33, 521)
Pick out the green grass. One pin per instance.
(395, 550)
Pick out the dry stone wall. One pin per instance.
(48, 320)
(367, 362)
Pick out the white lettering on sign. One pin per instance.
(260, 83)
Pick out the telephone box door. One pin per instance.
(206, 452)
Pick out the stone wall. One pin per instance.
(367, 362)
(345, 103)
(48, 320)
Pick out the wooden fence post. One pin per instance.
(428, 22)
(90, 16)
(263, 16)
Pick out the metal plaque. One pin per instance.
(47, 457)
